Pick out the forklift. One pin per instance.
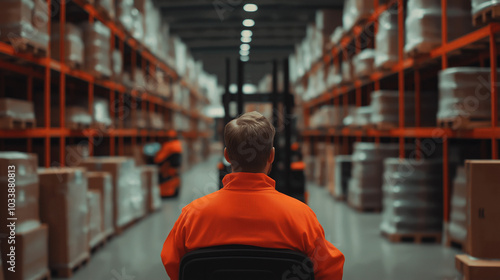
(288, 168)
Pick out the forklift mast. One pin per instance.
(287, 180)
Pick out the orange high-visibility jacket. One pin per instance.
(249, 211)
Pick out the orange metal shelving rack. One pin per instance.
(42, 68)
(486, 34)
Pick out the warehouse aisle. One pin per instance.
(135, 255)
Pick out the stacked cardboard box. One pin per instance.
(128, 197)
(413, 196)
(355, 11)
(63, 206)
(386, 40)
(101, 113)
(363, 63)
(365, 186)
(97, 49)
(15, 110)
(29, 232)
(483, 221)
(342, 175)
(457, 229)
(153, 198)
(101, 182)
(465, 92)
(423, 23)
(73, 43)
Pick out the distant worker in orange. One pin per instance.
(249, 211)
(169, 159)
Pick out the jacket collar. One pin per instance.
(247, 181)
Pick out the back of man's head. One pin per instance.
(249, 142)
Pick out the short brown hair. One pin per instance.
(249, 141)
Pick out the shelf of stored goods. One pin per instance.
(122, 99)
(477, 47)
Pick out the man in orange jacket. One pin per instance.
(249, 211)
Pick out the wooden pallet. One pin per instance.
(463, 123)
(100, 243)
(477, 269)
(23, 45)
(487, 15)
(452, 242)
(413, 237)
(74, 65)
(67, 272)
(362, 209)
(7, 122)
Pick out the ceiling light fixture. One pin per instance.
(246, 33)
(245, 47)
(250, 8)
(244, 53)
(246, 39)
(244, 58)
(248, 22)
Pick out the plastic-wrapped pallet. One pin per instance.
(334, 76)
(337, 35)
(362, 116)
(342, 175)
(124, 13)
(385, 106)
(349, 114)
(128, 197)
(97, 49)
(101, 113)
(31, 254)
(413, 198)
(102, 182)
(117, 65)
(465, 95)
(15, 22)
(76, 117)
(423, 23)
(40, 21)
(347, 72)
(153, 197)
(27, 188)
(73, 44)
(365, 185)
(386, 40)
(108, 6)
(355, 11)
(457, 230)
(137, 25)
(16, 110)
(63, 207)
(480, 6)
(94, 203)
(363, 63)
(156, 121)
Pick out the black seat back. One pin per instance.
(239, 262)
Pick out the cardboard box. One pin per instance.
(476, 269)
(94, 203)
(483, 209)
(128, 198)
(102, 183)
(31, 254)
(26, 189)
(153, 197)
(63, 207)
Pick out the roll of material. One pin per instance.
(365, 185)
(27, 190)
(465, 92)
(423, 23)
(386, 40)
(63, 207)
(412, 196)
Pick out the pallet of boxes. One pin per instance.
(482, 245)
(27, 231)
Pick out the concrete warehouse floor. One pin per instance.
(135, 255)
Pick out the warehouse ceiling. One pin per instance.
(212, 30)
